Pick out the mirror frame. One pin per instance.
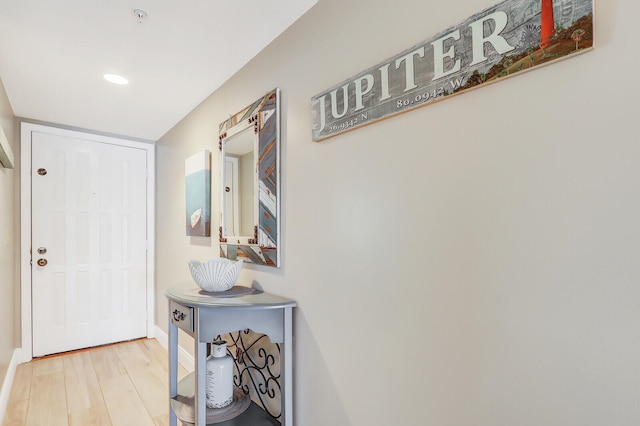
(263, 247)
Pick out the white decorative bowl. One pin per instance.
(215, 274)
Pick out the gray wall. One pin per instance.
(472, 262)
(9, 238)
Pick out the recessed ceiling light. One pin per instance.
(115, 79)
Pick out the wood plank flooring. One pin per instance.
(123, 384)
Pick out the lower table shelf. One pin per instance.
(252, 416)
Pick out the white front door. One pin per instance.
(88, 242)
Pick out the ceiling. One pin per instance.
(53, 55)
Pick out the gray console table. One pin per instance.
(204, 317)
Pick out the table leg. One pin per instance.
(200, 374)
(173, 369)
(287, 362)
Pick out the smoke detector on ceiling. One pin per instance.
(140, 14)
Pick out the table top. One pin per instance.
(188, 293)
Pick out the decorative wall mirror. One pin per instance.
(250, 196)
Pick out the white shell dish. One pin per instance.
(215, 274)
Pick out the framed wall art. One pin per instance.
(198, 194)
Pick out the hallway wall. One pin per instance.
(472, 262)
(9, 240)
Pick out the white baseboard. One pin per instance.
(184, 358)
(8, 382)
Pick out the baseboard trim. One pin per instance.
(184, 358)
(8, 382)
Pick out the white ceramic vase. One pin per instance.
(214, 275)
(219, 376)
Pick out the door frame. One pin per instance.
(26, 129)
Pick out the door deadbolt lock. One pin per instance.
(42, 250)
(42, 262)
(42, 171)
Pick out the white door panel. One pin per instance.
(89, 213)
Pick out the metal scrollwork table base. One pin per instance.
(205, 316)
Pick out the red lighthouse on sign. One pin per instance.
(547, 25)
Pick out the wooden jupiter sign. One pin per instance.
(500, 41)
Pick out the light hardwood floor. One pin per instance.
(124, 384)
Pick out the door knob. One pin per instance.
(42, 262)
